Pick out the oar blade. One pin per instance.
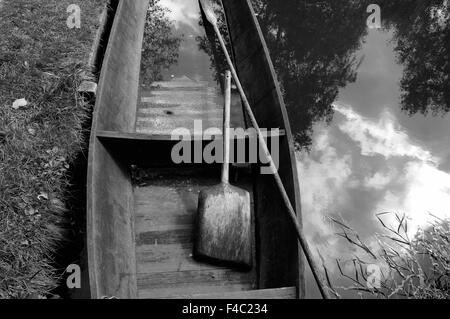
(208, 9)
(224, 231)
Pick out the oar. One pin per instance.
(211, 17)
(224, 218)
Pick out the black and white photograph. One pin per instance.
(225, 153)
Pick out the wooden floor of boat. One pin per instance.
(166, 204)
(165, 208)
(178, 103)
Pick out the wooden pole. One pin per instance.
(211, 16)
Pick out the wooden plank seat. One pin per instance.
(276, 133)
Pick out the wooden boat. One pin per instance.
(140, 236)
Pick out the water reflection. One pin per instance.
(160, 46)
(315, 47)
(334, 70)
(170, 48)
(312, 46)
(371, 108)
(422, 45)
(386, 149)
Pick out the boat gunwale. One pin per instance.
(295, 194)
(95, 145)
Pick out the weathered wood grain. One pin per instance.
(110, 234)
(173, 257)
(165, 211)
(279, 293)
(166, 284)
(178, 103)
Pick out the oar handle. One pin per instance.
(226, 128)
(274, 170)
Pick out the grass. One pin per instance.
(41, 60)
(413, 268)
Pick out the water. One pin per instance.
(378, 152)
(176, 53)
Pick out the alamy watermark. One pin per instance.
(74, 18)
(374, 20)
(73, 281)
(191, 149)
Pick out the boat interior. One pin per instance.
(142, 205)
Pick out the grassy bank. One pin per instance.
(41, 60)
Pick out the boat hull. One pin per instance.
(139, 236)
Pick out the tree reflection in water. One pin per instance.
(422, 45)
(160, 46)
(313, 45)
